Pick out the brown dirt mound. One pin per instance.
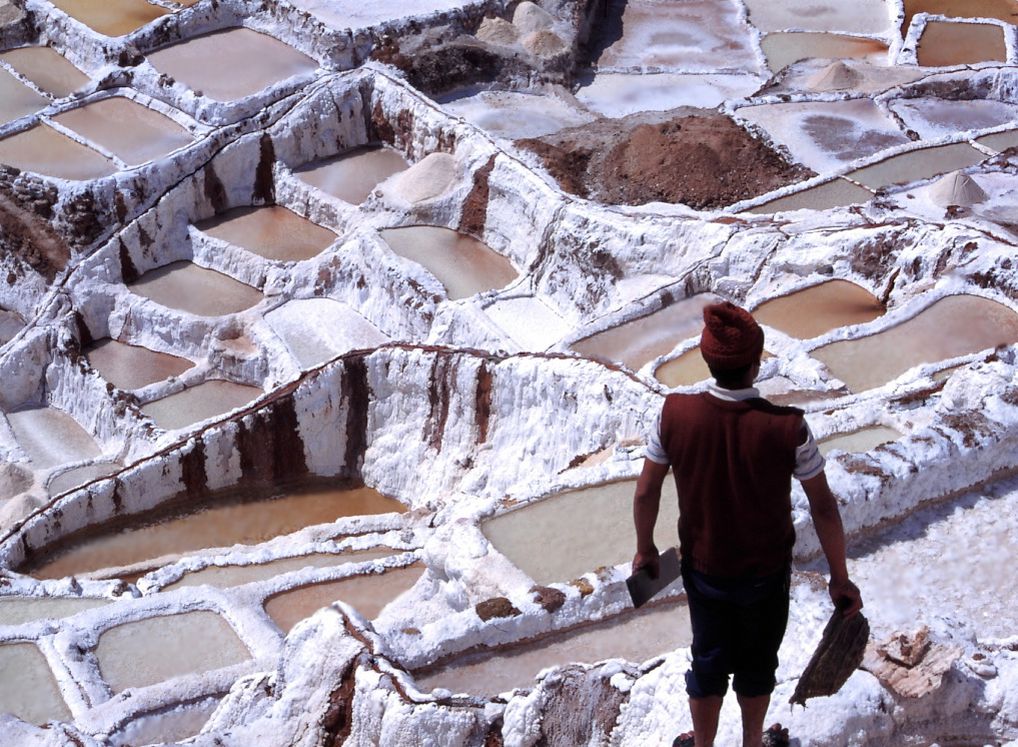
(701, 160)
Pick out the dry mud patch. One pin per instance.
(704, 160)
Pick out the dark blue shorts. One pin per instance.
(737, 626)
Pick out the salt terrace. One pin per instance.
(332, 330)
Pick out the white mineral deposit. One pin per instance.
(332, 331)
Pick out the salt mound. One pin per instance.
(543, 44)
(13, 480)
(834, 77)
(433, 176)
(956, 188)
(497, 31)
(529, 18)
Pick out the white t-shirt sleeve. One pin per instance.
(655, 451)
(809, 462)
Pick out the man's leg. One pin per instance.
(705, 712)
(754, 711)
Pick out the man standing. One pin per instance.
(733, 454)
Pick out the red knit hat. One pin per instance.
(731, 337)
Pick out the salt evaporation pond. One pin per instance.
(200, 402)
(112, 17)
(185, 286)
(226, 576)
(917, 164)
(19, 610)
(835, 193)
(951, 327)
(813, 311)
(782, 49)
(47, 68)
(1002, 10)
(865, 16)
(273, 232)
(33, 695)
(318, 329)
(859, 441)
(131, 367)
(635, 636)
(78, 476)
(570, 546)
(130, 131)
(234, 518)
(188, 643)
(43, 150)
(636, 343)
(168, 725)
(944, 44)
(352, 176)
(368, 594)
(51, 437)
(231, 64)
(464, 265)
(16, 99)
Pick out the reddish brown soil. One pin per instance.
(702, 160)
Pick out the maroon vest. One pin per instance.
(733, 464)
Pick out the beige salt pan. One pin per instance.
(636, 343)
(782, 49)
(231, 64)
(19, 610)
(236, 575)
(17, 99)
(132, 132)
(635, 636)
(186, 286)
(33, 695)
(188, 643)
(953, 326)
(51, 437)
(273, 232)
(223, 521)
(78, 476)
(464, 265)
(545, 540)
(944, 44)
(200, 402)
(836, 193)
(43, 150)
(368, 594)
(47, 68)
(918, 164)
(862, 440)
(112, 17)
(352, 176)
(132, 367)
(687, 369)
(819, 309)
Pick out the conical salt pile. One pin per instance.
(956, 188)
(834, 77)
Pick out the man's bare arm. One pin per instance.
(646, 502)
(827, 520)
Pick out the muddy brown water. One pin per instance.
(43, 150)
(782, 49)
(636, 343)
(837, 193)
(918, 164)
(944, 44)
(47, 68)
(816, 310)
(112, 17)
(464, 265)
(861, 440)
(188, 643)
(273, 232)
(570, 548)
(1003, 10)
(352, 176)
(131, 366)
(33, 695)
(635, 636)
(686, 369)
(231, 64)
(185, 286)
(198, 403)
(953, 326)
(17, 99)
(132, 132)
(233, 517)
(368, 594)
